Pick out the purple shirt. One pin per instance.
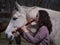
(42, 34)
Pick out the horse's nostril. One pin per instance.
(6, 35)
(14, 18)
(10, 37)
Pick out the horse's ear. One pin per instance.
(18, 5)
(20, 8)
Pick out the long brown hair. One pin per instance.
(44, 19)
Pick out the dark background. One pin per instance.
(51, 4)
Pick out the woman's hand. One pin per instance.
(24, 28)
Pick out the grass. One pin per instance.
(3, 41)
(2, 37)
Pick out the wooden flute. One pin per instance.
(20, 27)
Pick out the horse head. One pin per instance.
(18, 19)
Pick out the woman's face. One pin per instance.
(37, 17)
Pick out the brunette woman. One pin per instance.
(41, 36)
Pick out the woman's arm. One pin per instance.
(38, 37)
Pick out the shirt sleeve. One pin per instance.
(38, 37)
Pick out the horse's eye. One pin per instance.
(14, 18)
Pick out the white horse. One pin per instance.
(55, 19)
(31, 12)
(21, 20)
(18, 19)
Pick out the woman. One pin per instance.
(41, 36)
